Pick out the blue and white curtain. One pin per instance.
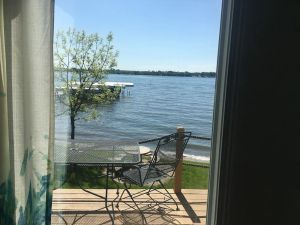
(26, 111)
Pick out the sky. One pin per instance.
(166, 35)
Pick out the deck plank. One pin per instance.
(71, 205)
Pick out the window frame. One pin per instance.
(219, 109)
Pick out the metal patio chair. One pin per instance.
(165, 158)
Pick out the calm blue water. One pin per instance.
(155, 107)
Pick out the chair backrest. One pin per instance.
(167, 155)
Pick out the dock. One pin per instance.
(119, 84)
(95, 86)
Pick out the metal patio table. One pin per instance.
(91, 155)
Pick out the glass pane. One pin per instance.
(127, 74)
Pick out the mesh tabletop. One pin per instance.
(93, 155)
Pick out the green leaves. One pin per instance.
(37, 209)
(34, 212)
(83, 60)
(26, 158)
(7, 202)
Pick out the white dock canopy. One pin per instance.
(95, 87)
(119, 84)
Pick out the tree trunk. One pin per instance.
(72, 118)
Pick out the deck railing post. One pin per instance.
(178, 171)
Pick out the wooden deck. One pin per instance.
(74, 206)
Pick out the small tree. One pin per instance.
(81, 62)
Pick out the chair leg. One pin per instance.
(130, 195)
(115, 197)
(117, 205)
(118, 186)
(148, 193)
(163, 186)
(136, 205)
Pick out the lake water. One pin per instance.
(154, 107)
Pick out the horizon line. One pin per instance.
(148, 70)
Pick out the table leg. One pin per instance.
(106, 196)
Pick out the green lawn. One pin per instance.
(194, 177)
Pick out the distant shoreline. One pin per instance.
(157, 73)
(164, 73)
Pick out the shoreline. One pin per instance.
(186, 157)
(189, 158)
(208, 74)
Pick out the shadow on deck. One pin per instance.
(74, 206)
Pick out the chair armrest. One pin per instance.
(148, 141)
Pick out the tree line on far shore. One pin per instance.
(164, 73)
(157, 73)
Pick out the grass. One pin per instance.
(193, 177)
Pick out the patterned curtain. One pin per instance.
(26, 111)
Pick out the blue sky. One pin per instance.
(178, 35)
